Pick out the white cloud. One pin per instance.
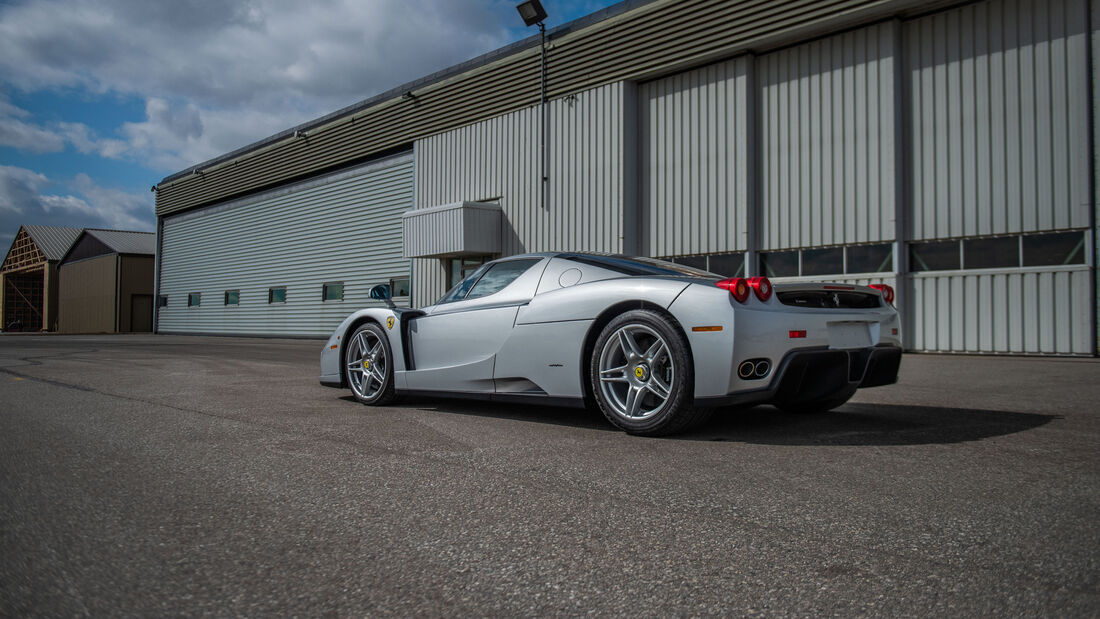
(19, 189)
(115, 207)
(17, 133)
(24, 193)
(216, 76)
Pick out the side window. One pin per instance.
(500, 275)
(459, 291)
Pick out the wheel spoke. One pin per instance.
(355, 366)
(629, 346)
(633, 400)
(377, 375)
(614, 375)
(374, 351)
(658, 387)
(361, 342)
(655, 351)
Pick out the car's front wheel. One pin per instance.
(642, 376)
(367, 365)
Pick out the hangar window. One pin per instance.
(194, 299)
(991, 253)
(333, 291)
(162, 301)
(232, 297)
(696, 262)
(779, 263)
(877, 258)
(276, 294)
(727, 264)
(823, 261)
(934, 256)
(1059, 248)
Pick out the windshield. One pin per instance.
(638, 265)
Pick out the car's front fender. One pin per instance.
(389, 319)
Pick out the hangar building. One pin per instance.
(945, 148)
(29, 277)
(107, 282)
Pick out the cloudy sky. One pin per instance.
(99, 100)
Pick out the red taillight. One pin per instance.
(762, 287)
(794, 335)
(738, 287)
(887, 292)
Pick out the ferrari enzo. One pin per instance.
(654, 345)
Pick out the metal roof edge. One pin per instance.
(458, 69)
(451, 206)
(114, 250)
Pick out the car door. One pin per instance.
(453, 347)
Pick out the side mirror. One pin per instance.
(380, 292)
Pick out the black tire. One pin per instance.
(651, 393)
(814, 406)
(372, 382)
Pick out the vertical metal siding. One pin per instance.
(499, 159)
(1008, 312)
(86, 295)
(999, 100)
(462, 228)
(695, 152)
(343, 228)
(1094, 27)
(827, 140)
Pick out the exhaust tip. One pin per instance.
(762, 368)
(746, 369)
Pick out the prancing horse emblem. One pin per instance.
(389, 322)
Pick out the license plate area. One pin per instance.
(847, 335)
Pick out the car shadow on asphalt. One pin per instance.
(851, 424)
(552, 415)
(865, 424)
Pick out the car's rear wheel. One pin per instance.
(367, 365)
(642, 375)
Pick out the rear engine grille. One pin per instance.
(829, 299)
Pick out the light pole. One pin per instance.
(532, 13)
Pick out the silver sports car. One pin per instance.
(655, 345)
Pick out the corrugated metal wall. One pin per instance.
(827, 141)
(998, 93)
(87, 295)
(646, 40)
(998, 96)
(1094, 13)
(695, 160)
(1010, 312)
(342, 228)
(499, 160)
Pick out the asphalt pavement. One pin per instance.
(162, 475)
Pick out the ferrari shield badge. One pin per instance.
(389, 322)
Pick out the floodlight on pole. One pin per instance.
(532, 12)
